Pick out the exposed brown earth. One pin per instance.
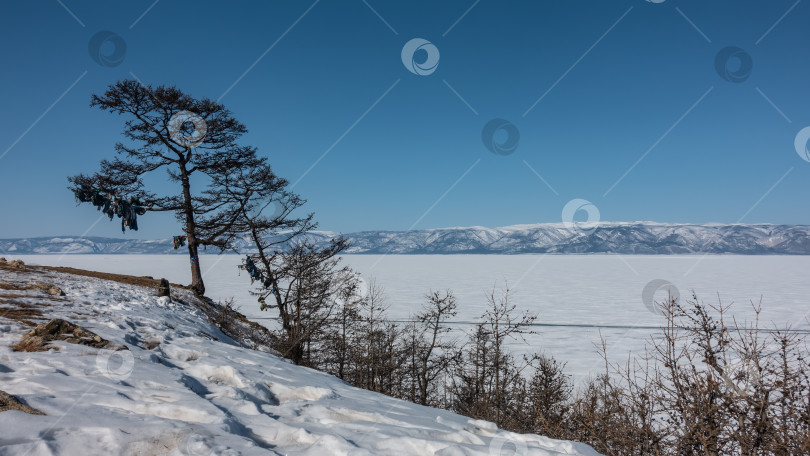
(9, 402)
(40, 338)
(248, 333)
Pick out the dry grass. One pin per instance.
(12, 296)
(9, 402)
(231, 322)
(16, 286)
(147, 282)
(26, 314)
(39, 338)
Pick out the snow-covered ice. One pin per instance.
(198, 393)
(590, 295)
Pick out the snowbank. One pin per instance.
(196, 392)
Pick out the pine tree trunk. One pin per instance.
(196, 276)
(191, 233)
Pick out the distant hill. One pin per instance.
(613, 237)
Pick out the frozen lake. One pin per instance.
(577, 296)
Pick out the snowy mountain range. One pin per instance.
(558, 238)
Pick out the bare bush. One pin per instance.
(489, 384)
(703, 388)
(547, 399)
(430, 355)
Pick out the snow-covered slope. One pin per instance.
(102, 245)
(624, 238)
(198, 393)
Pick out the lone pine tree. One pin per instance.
(188, 138)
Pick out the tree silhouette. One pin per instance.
(195, 142)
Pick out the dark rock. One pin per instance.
(164, 288)
(53, 290)
(39, 338)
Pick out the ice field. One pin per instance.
(577, 297)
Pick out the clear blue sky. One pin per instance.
(618, 79)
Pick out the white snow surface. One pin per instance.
(199, 393)
(582, 298)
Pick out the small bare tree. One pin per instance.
(489, 383)
(378, 356)
(307, 280)
(300, 277)
(342, 334)
(430, 355)
(548, 399)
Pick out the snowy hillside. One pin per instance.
(182, 387)
(624, 238)
(101, 245)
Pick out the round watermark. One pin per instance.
(266, 207)
(500, 136)
(196, 445)
(107, 48)
(201, 445)
(502, 446)
(187, 129)
(654, 287)
(570, 210)
(802, 143)
(420, 56)
(115, 364)
(733, 64)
